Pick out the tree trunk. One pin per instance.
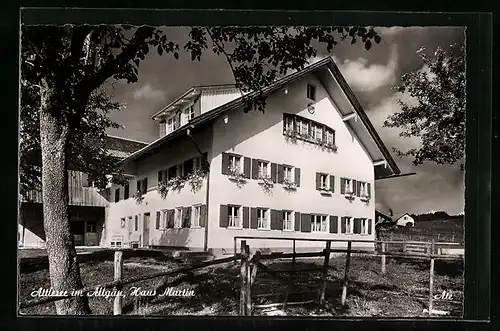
(64, 269)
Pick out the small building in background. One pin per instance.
(406, 220)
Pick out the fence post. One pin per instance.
(235, 251)
(383, 257)
(433, 246)
(118, 273)
(248, 301)
(431, 282)
(293, 257)
(346, 275)
(404, 245)
(325, 271)
(243, 278)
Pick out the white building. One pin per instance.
(305, 168)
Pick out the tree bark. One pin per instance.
(64, 269)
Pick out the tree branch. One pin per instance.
(228, 58)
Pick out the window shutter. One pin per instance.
(255, 169)
(357, 225)
(281, 173)
(334, 223)
(305, 223)
(281, 216)
(369, 226)
(145, 185)
(297, 176)
(225, 164)
(318, 181)
(158, 220)
(246, 167)
(274, 172)
(369, 189)
(332, 183)
(342, 224)
(297, 221)
(355, 187)
(246, 220)
(203, 215)
(253, 218)
(138, 186)
(323, 134)
(205, 165)
(342, 185)
(170, 218)
(333, 133)
(358, 189)
(274, 220)
(223, 220)
(126, 192)
(186, 217)
(160, 176)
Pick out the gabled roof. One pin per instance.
(123, 147)
(334, 72)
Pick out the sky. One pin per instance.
(371, 74)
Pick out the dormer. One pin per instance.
(196, 101)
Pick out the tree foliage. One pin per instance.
(438, 115)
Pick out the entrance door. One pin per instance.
(145, 236)
(91, 235)
(78, 230)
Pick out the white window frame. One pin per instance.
(288, 219)
(364, 226)
(288, 124)
(263, 219)
(163, 223)
(289, 173)
(349, 186)
(169, 125)
(261, 165)
(327, 179)
(195, 221)
(235, 222)
(317, 223)
(238, 160)
(363, 189)
(349, 221)
(313, 89)
(329, 136)
(178, 218)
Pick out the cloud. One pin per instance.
(365, 77)
(147, 92)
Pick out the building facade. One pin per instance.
(304, 168)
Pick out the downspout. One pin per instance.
(206, 166)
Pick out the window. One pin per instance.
(288, 174)
(318, 132)
(288, 220)
(349, 187)
(188, 167)
(142, 185)
(196, 163)
(195, 216)
(178, 217)
(363, 190)
(319, 223)
(189, 113)
(288, 123)
(264, 169)
(311, 92)
(170, 125)
(160, 176)
(177, 120)
(91, 226)
(158, 220)
(263, 219)
(117, 195)
(172, 172)
(324, 182)
(136, 223)
(364, 226)
(303, 127)
(180, 170)
(236, 164)
(122, 222)
(330, 136)
(234, 216)
(348, 225)
(126, 192)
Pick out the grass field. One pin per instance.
(401, 292)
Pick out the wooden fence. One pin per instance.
(250, 265)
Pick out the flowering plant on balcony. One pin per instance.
(235, 174)
(176, 183)
(349, 193)
(196, 179)
(291, 133)
(289, 184)
(138, 197)
(266, 181)
(331, 146)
